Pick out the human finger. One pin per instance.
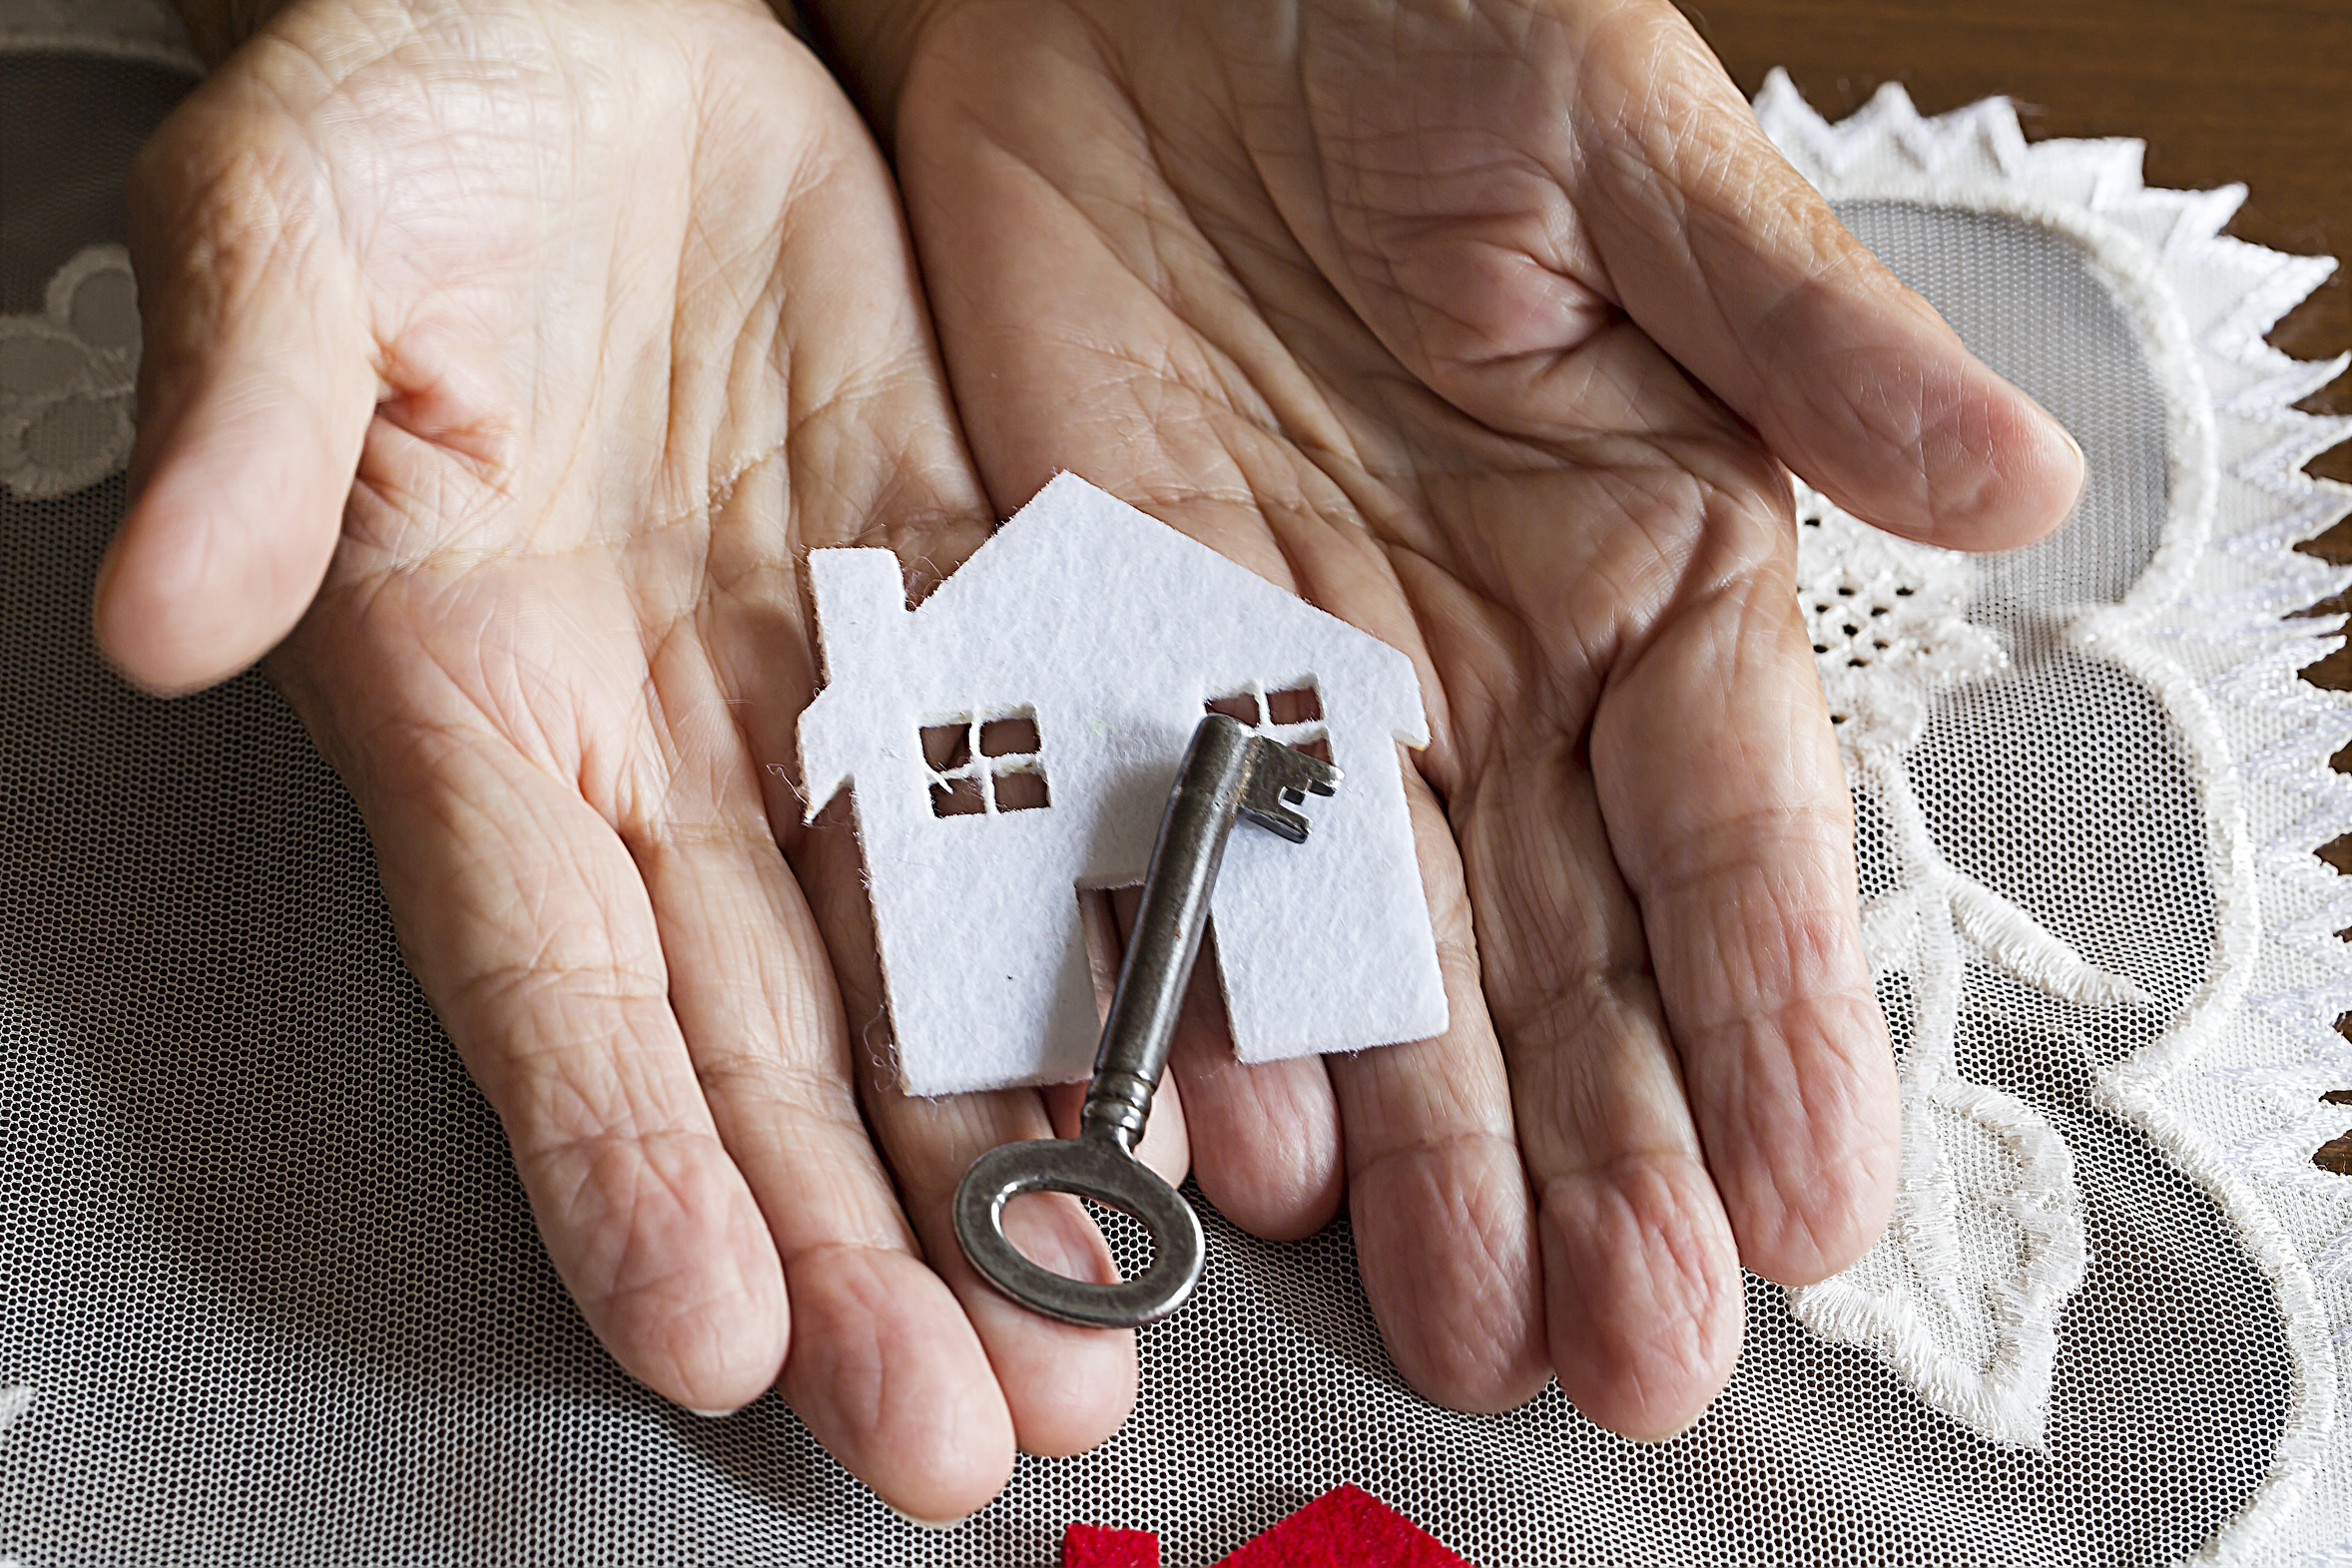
(256, 384)
(881, 1362)
(1265, 1136)
(1067, 1389)
(1445, 1231)
(1730, 815)
(1641, 1283)
(528, 926)
(1262, 1139)
(1738, 268)
(1492, 189)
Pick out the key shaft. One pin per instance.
(1229, 772)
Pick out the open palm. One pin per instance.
(1481, 324)
(512, 356)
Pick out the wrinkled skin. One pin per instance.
(504, 361)
(1477, 324)
(603, 315)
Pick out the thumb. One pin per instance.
(1736, 266)
(254, 392)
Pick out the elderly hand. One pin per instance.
(513, 355)
(1488, 326)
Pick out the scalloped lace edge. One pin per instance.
(2276, 908)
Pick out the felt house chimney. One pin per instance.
(862, 593)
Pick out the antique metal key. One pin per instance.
(1228, 771)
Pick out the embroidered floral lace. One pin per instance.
(269, 1291)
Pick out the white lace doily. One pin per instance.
(2210, 1026)
(269, 1291)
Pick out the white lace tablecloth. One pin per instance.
(269, 1293)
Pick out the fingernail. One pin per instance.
(2079, 455)
(712, 1416)
(933, 1525)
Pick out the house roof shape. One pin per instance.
(1347, 1527)
(1092, 582)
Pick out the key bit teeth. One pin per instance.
(1280, 822)
(1282, 776)
(1300, 771)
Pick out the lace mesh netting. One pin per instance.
(276, 1293)
(68, 127)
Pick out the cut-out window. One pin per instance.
(1238, 705)
(1010, 738)
(1021, 792)
(1289, 712)
(985, 763)
(947, 746)
(957, 797)
(1294, 704)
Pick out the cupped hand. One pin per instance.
(510, 356)
(1489, 326)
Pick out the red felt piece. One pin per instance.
(1347, 1527)
(1100, 1546)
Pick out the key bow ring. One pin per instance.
(1228, 772)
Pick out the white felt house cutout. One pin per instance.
(1012, 740)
